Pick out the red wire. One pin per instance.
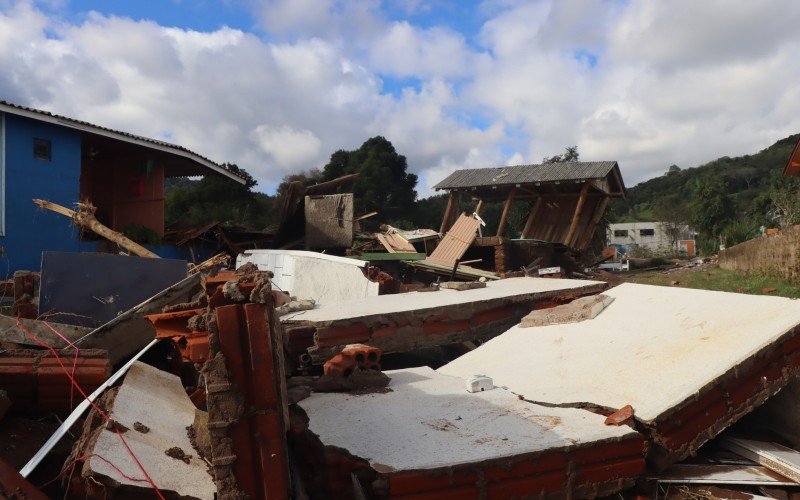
(97, 408)
(84, 457)
(74, 362)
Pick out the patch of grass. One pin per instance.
(715, 278)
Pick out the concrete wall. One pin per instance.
(313, 275)
(776, 256)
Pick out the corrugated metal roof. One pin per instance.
(526, 174)
(116, 134)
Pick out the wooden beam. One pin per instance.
(478, 207)
(576, 217)
(526, 231)
(448, 213)
(586, 237)
(506, 208)
(84, 218)
(618, 176)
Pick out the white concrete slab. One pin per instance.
(313, 275)
(652, 347)
(156, 399)
(522, 288)
(429, 420)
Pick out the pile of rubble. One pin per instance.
(222, 385)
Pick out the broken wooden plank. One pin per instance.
(394, 243)
(526, 231)
(576, 216)
(10, 332)
(456, 242)
(501, 226)
(84, 217)
(778, 458)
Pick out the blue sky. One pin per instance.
(276, 86)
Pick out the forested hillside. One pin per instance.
(746, 179)
(728, 197)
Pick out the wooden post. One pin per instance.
(586, 237)
(531, 216)
(502, 225)
(577, 215)
(478, 207)
(448, 213)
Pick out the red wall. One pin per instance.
(125, 192)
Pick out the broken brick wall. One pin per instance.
(776, 256)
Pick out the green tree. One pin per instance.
(570, 154)
(219, 198)
(712, 207)
(383, 184)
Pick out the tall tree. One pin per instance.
(383, 184)
(712, 207)
(218, 198)
(674, 217)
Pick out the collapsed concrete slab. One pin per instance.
(313, 275)
(153, 413)
(429, 436)
(689, 362)
(407, 321)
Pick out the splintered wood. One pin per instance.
(456, 242)
(394, 243)
(84, 217)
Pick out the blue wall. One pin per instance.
(29, 229)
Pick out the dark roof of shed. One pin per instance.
(527, 174)
(116, 134)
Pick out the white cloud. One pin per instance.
(643, 82)
(291, 149)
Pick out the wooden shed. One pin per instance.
(567, 199)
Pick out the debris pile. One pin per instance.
(222, 385)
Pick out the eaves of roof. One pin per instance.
(83, 126)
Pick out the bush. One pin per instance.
(739, 231)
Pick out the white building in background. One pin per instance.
(650, 235)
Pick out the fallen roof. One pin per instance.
(407, 321)
(428, 425)
(690, 362)
(83, 126)
(528, 174)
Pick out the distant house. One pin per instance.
(63, 160)
(649, 235)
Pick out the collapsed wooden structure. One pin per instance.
(567, 199)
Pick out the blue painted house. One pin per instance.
(64, 161)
